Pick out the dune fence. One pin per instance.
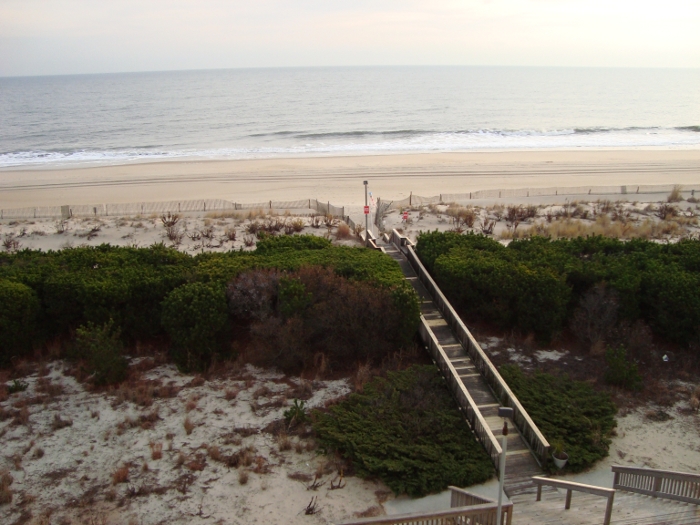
(151, 208)
(597, 191)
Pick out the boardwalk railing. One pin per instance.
(531, 434)
(474, 510)
(665, 484)
(571, 486)
(464, 399)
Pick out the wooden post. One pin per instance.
(568, 499)
(609, 509)
(539, 492)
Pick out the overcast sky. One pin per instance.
(40, 37)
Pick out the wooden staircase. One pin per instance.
(521, 465)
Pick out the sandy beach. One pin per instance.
(339, 179)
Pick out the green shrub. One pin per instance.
(536, 284)
(407, 431)
(19, 308)
(194, 316)
(568, 411)
(101, 349)
(621, 372)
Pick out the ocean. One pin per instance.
(286, 112)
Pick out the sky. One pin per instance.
(46, 37)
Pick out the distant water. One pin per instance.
(257, 113)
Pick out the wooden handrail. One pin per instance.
(463, 498)
(571, 486)
(464, 399)
(532, 435)
(666, 484)
(483, 514)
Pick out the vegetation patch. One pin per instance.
(406, 430)
(293, 302)
(568, 412)
(540, 286)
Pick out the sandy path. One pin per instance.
(339, 179)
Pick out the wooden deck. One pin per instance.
(521, 465)
(628, 509)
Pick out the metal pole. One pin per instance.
(366, 218)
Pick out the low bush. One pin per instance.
(407, 431)
(566, 411)
(621, 371)
(101, 350)
(194, 316)
(19, 307)
(537, 284)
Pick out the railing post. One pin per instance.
(609, 509)
(657, 485)
(568, 499)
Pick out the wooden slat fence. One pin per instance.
(665, 484)
(571, 486)
(531, 434)
(481, 512)
(464, 399)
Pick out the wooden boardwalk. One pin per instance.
(629, 508)
(521, 465)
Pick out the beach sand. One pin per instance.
(339, 179)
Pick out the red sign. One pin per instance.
(405, 215)
(366, 210)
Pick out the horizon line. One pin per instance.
(359, 66)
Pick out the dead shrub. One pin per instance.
(148, 419)
(283, 442)
(230, 394)
(297, 225)
(676, 194)
(197, 380)
(230, 234)
(300, 476)
(38, 453)
(22, 416)
(263, 391)
(214, 453)
(6, 480)
(298, 447)
(371, 512)
(59, 423)
(262, 465)
(243, 477)
(180, 460)
(45, 386)
(189, 426)
(343, 231)
(156, 450)
(121, 475)
(362, 376)
(197, 463)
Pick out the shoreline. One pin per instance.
(339, 178)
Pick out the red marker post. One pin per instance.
(366, 210)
